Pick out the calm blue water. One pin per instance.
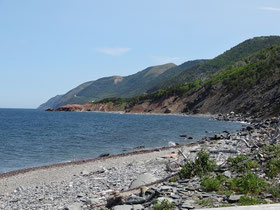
(33, 138)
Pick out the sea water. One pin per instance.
(30, 137)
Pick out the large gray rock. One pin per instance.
(143, 179)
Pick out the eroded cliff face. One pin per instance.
(89, 108)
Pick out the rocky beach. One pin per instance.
(139, 179)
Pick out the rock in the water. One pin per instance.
(104, 155)
(143, 179)
(234, 198)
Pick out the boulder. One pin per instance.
(143, 179)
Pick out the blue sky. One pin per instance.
(48, 47)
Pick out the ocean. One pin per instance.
(30, 137)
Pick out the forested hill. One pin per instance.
(251, 87)
(163, 78)
(230, 57)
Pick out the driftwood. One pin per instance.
(247, 144)
(181, 153)
(122, 196)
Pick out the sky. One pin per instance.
(48, 47)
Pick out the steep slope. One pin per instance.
(251, 87)
(235, 54)
(115, 86)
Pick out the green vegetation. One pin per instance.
(200, 167)
(238, 72)
(274, 190)
(173, 179)
(249, 183)
(241, 163)
(207, 203)
(246, 201)
(211, 184)
(225, 60)
(164, 205)
(272, 165)
(273, 168)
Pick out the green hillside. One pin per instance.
(250, 87)
(224, 60)
(115, 86)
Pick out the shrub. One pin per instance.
(163, 205)
(200, 167)
(273, 168)
(240, 163)
(249, 183)
(274, 190)
(173, 179)
(211, 184)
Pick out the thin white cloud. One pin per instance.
(163, 59)
(113, 50)
(270, 9)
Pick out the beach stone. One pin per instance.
(188, 204)
(227, 174)
(143, 179)
(122, 207)
(160, 199)
(128, 207)
(134, 199)
(166, 188)
(174, 196)
(138, 207)
(74, 206)
(234, 198)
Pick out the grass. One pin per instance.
(200, 167)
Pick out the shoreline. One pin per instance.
(80, 162)
(72, 183)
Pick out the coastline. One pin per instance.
(89, 183)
